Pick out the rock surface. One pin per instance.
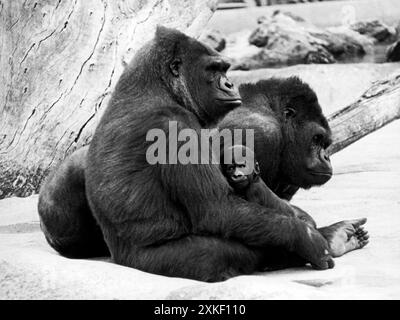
(375, 29)
(284, 39)
(393, 52)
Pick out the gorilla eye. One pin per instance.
(318, 138)
(218, 66)
(289, 113)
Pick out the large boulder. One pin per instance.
(393, 52)
(282, 39)
(374, 29)
(344, 43)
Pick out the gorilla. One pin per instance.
(185, 220)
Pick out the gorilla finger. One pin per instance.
(358, 222)
(361, 234)
(360, 229)
(365, 234)
(366, 237)
(363, 243)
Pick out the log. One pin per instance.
(377, 107)
(59, 62)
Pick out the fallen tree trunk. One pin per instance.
(377, 107)
(59, 62)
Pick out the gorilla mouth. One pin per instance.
(321, 174)
(319, 177)
(231, 101)
(239, 180)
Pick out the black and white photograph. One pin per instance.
(206, 150)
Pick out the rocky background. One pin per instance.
(283, 39)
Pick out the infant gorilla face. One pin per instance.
(238, 175)
(240, 167)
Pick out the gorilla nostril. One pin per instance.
(229, 85)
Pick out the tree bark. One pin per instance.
(59, 62)
(377, 107)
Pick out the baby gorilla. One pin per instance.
(243, 174)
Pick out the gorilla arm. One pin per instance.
(258, 192)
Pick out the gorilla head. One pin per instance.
(305, 133)
(190, 72)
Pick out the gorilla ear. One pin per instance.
(289, 113)
(174, 66)
(257, 168)
(173, 43)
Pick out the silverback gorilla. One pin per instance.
(175, 220)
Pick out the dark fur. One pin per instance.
(179, 220)
(252, 188)
(283, 144)
(66, 219)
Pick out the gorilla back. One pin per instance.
(65, 216)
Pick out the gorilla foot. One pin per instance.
(346, 236)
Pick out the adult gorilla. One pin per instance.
(291, 133)
(291, 140)
(173, 219)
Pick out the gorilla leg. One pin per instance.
(280, 258)
(196, 257)
(65, 216)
